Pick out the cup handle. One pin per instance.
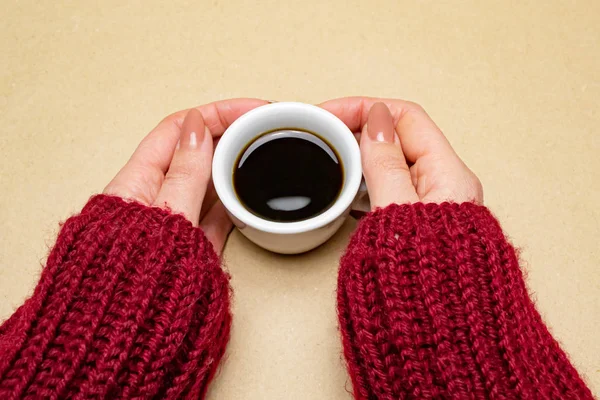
(362, 203)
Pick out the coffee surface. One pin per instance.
(288, 176)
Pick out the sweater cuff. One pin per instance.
(110, 217)
(132, 303)
(120, 212)
(401, 224)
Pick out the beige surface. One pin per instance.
(515, 86)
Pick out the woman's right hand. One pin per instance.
(171, 168)
(406, 158)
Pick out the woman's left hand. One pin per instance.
(406, 158)
(171, 168)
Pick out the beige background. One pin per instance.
(514, 84)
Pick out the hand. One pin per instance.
(171, 168)
(406, 158)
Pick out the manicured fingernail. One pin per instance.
(380, 124)
(192, 130)
(193, 140)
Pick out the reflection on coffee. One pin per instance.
(288, 175)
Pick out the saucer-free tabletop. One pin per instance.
(514, 86)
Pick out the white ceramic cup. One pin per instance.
(287, 237)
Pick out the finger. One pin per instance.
(386, 172)
(187, 179)
(216, 226)
(142, 176)
(418, 133)
(447, 177)
(210, 198)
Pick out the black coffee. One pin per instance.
(288, 176)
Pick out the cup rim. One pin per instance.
(237, 209)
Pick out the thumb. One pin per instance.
(386, 172)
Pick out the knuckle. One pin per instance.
(411, 106)
(387, 163)
(172, 118)
(182, 174)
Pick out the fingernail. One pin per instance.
(380, 124)
(193, 140)
(272, 101)
(192, 130)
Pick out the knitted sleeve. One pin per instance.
(432, 304)
(132, 303)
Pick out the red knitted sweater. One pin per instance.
(133, 303)
(432, 304)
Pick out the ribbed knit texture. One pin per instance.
(132, 303)
(432, 304)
